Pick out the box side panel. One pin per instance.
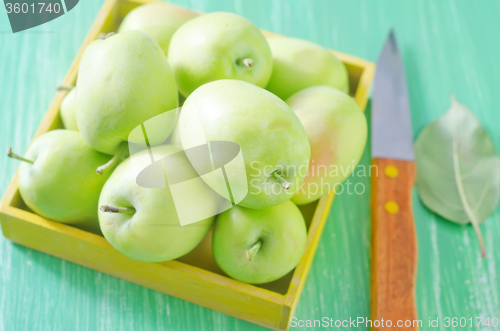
(174, 278)
(302, 270)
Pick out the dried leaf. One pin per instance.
(458, 171)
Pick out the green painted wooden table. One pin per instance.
(449, 47)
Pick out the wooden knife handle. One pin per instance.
(394, 244)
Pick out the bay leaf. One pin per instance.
(458, 171)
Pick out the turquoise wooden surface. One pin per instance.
(448, 47)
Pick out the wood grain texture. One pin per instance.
(394, 243)
(447, 46)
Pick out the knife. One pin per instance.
(394, 243)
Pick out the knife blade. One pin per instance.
(391, 122)
(394, 244)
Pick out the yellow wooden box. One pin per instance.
(194, 277)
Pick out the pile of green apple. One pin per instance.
(282, 100)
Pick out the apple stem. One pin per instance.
(113, 209)
(114, 160)
(284, 183)
(252, 251)
(103, 35)
(63, 87)
(13, 155)
(247, 63)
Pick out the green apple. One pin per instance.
(123, 81)
(219, 46)
(57, 178)
(158, 20)
(337, 131)
(259, 245)
(175, 138)
(299, 64)
(67, 111)
(272, 141)
(143, 222)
